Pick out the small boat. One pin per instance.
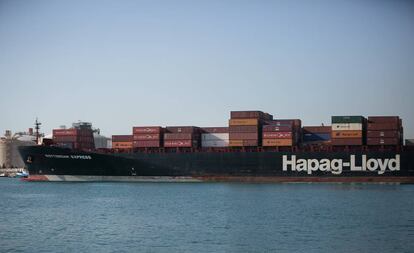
(21, 175)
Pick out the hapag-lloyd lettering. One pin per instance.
(335, 166)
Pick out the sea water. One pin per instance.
(205, 217)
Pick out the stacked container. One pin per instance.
(348, 130)
(80, 137)
(121, 141)
(316, 135)
(214, 137)
(147, 137)
(182, 137)
(384, 130)
(245, 128)
(279, 133)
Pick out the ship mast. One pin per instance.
(37, 128)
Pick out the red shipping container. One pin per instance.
(180, 143)
(66, 138)
(277, 135)
(215, 130)
(147, 144)
(180, 136)
(147, 136)
(147, 130)
(384, 119)
(382, 134)
(383, 126)
(65, 132)
(383, 141)
(243, 129)
(347, 142)
(243, 136)
(182, 129)
(275, 128)
(121, 138)
(248, 115)
(283, 122)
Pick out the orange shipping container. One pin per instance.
(347, 134)
(277, 142)
(243, 122)
(243, 143)
(236, 143)
(123, 144)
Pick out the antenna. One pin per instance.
(37, 128)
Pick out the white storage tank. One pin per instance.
(9, 154)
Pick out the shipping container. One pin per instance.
(121, 138)
(215, 136)
(384, 119)
(346, 126)
(317, 143)
(296, 123)
(289, 123)
(347, 134)
(386, 134)
(243, 122)
(277, 135)
(147, 130)
(65, 132)
(250, 115)
(383, 126)
(243, 143)
(180, 136)
(214, 143)
(348, 119)
(312, 137)
(317, 129)
(268, 116)
(273, 128)
(66, 138)
(182, 129)
(277, 142)
(147, 144)
(180, 143)
(383, 141)
(243, 136)
(243, 129)
(236, 143)
(121, 145)
(138, 137)
(214, 130)
(347, 142)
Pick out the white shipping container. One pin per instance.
(346, 126)
(215, 136)
(211, 144)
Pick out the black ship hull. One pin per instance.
(58, 164)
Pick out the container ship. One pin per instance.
(254, 147)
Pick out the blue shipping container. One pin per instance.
(307, 137)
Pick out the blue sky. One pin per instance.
(123, 63)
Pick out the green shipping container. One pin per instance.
(347, 119)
